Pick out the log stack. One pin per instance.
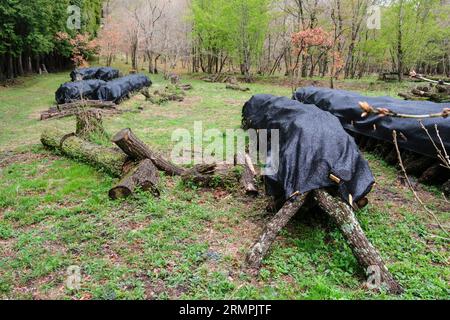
(428, 170)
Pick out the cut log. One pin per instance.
(107, 159)
(435, 174)
(137, 150)
(90, 122)
(86, 104)
(237, 87)
(418, 165)
(281, 219)
(53, 113)
(248, 179)
(144, 177)
(367, 256)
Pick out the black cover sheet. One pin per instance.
(313, 145)
(102, 73)
(73, 91)
(120, 88)
(345, 106)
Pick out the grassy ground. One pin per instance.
(191, 243)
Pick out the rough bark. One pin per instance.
(248, 180)
(137, 150)
(86, 103)
(417, 165)
(90, 122)
(143, 176)
(366, 254)
(446, 188)
(281, 219)
(107, 159)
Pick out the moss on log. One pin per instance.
(107, 159)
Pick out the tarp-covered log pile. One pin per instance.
(113, 91)
(119, 89)
(78, 90)
(313, 145)
(375, 133)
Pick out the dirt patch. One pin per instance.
(8, 158)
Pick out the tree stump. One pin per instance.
(143, 176)
(137, 150)
(435, 174)
(281, 219)
(367, 256)
(107, 159)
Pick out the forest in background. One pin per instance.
(302, 38)
(35, 36)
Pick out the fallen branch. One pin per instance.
(143, 176)
(400, 159)
(413, 74)
(384, 112)
(86, 104)
(137, 150)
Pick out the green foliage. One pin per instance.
(31, 26)
(422, 35)
(236, 28)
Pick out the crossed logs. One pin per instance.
(139, 166)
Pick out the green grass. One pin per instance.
(191, 243)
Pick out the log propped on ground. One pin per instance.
(143, 176)
(90, 122)
(138, 150)
(265, 241)
(248, 179)
(344, 216)
(108, 159)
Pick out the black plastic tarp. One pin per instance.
(313, 145)
(117, 89)
(102, 73)
(345, 106)
(73, 91)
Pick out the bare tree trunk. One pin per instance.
(400, 43)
